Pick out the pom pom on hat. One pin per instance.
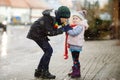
(83, 12)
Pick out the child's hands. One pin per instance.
(67, 28)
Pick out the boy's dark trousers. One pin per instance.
(43, 67)
(47, 49)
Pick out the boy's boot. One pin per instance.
(37, 73)
(47, 75)
(76, 73)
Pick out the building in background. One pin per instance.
(21, 11)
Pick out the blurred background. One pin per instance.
(103, 15)
(19, 56)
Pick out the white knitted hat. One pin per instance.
(79, 14)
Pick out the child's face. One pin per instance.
(64, 20)
(76, 20)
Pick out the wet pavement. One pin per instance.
(19, 57)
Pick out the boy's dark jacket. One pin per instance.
(43, 27)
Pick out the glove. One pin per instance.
(60, 30)
(67, 28)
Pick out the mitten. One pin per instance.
(67, 28)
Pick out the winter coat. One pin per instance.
(76, 36)
(42, 28)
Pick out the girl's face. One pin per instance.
(63, 20)
(76, 20)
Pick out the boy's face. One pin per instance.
(76, 20)
(64, 20)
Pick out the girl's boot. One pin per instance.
(76, 73)
(69, 74)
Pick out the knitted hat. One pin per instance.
(79, 14)
(63, 12)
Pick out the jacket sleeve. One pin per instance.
(50, 31)
(55, 32)
(75, 31)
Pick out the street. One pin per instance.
(19, 57)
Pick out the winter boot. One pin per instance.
(76, 72)
(37, 73)
(69, 74)
(47, 75)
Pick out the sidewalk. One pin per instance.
(100, 60)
